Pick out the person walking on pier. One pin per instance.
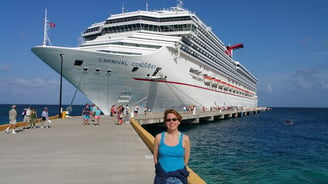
(120, 114)
(45, 118)
(145, 110)
(34, 116)
(97, 116)
(171, 151)
(27, 116)
(136, 110)
(12, 119)
(86, 115)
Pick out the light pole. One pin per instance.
(61, 83)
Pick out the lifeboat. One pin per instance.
(207, 80)
(215, 82)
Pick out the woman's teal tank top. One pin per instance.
(171, 158)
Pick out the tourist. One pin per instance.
(45, 118)
(127, 109)
(171, 151)
(127, 114)
(27, 116)
(119, 115)
(97, 114)
(12, 119)
(112, 111)
(136, 110)
(145, 110)
(34, 116)
(93, 109)
(86, 114)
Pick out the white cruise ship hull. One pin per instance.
(108, 79)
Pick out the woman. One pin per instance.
(119, 115)
(86, 115)
(97, 116)
(34, 116)
(171, 151)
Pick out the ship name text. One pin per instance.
(119, 62)
(123, 62)
(143, 65)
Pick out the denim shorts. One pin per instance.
(173, 180)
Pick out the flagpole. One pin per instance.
(45, 35)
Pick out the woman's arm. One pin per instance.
(186, 146)
(156, 145)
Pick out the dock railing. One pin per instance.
(21, 124)
(149, 141)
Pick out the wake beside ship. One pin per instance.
(162, 59)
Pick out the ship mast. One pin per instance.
(46, 39)
(146, 6)
(180, 3)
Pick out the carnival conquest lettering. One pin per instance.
(122, 62)
(119, 62)
(144, 65)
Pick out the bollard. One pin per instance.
(63, 115)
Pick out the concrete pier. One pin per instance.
(69, 152)
(153, 118)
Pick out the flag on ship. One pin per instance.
(51, 24)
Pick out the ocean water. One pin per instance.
(261, 148)
(253, 149)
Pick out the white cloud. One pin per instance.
(308, 81)
(5, 67)
(37, 82)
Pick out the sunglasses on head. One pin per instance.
(173, 119)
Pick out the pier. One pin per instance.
(69, 152)
(198, 117)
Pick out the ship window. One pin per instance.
(78, 62)
(134, 69)
(97, 70)
(85, 69)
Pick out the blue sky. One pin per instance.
(286, 44)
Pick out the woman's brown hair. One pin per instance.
(172, 111)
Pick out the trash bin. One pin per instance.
(63, 115)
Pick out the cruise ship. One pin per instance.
(161, 59)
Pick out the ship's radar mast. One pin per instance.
(47, 25)
(180, 3)
(46, 40)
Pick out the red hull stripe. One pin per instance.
(191, 85)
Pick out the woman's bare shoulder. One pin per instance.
(158, 136)
(185, 137)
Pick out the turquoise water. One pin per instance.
(261, 148)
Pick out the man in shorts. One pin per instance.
(27, 116)
(12, 119)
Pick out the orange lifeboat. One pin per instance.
(207, 80)
(215, 82)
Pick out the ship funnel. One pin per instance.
(231, 48)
